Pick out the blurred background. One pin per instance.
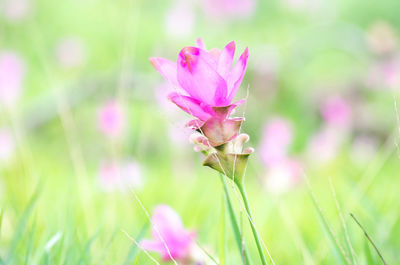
(87, 134)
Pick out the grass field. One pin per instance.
(59, 203)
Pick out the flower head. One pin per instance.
(170, 238)
(336, 111)
(11, 76)
(205, 85)
(203, 79)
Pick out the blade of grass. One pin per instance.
(338, 251)
(1, 219)
(30, 243)
(86, 250)
(222, 235)
(368, 254)
(134, 250)
(349, 246)
(22, 223)
(369, 239)
(257, 238)
(235, 225)
(207, 253)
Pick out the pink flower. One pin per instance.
(11, 75)
(6, 144)
(276, 140)
(325, 145)
(229, 8)
(385, 73)
(170, 238)
(204, 79)
(111, 119)
(120, 175)
(283, 175)
(336, 111)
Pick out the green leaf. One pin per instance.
(85, 253)
(222, 236)
(134, 249)
(235, 226)
(22, 224)
(368, 255)
(337, 249)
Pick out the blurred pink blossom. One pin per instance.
(324, 145)
(15, 10)
(232, 9)
(385, 73)
(111, 119)
(12, 71)
(276, 139)
(7, 145)
(120, 176)
(204, 79)
(336, 111)
(71, 52)
(283, 176)
(170, 238)
(180, 19)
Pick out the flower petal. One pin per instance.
(200, 44)
(198, 76)
(166, 68)
(190, 105)
(226, 59)
(167, 225)
(236, 76)
(151, 245)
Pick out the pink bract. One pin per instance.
(170, 238)
(203, 79)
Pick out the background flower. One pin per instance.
(12, 71)
(170, 238)
(111, 119)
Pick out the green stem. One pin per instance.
(252, 225)
(235, 225)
